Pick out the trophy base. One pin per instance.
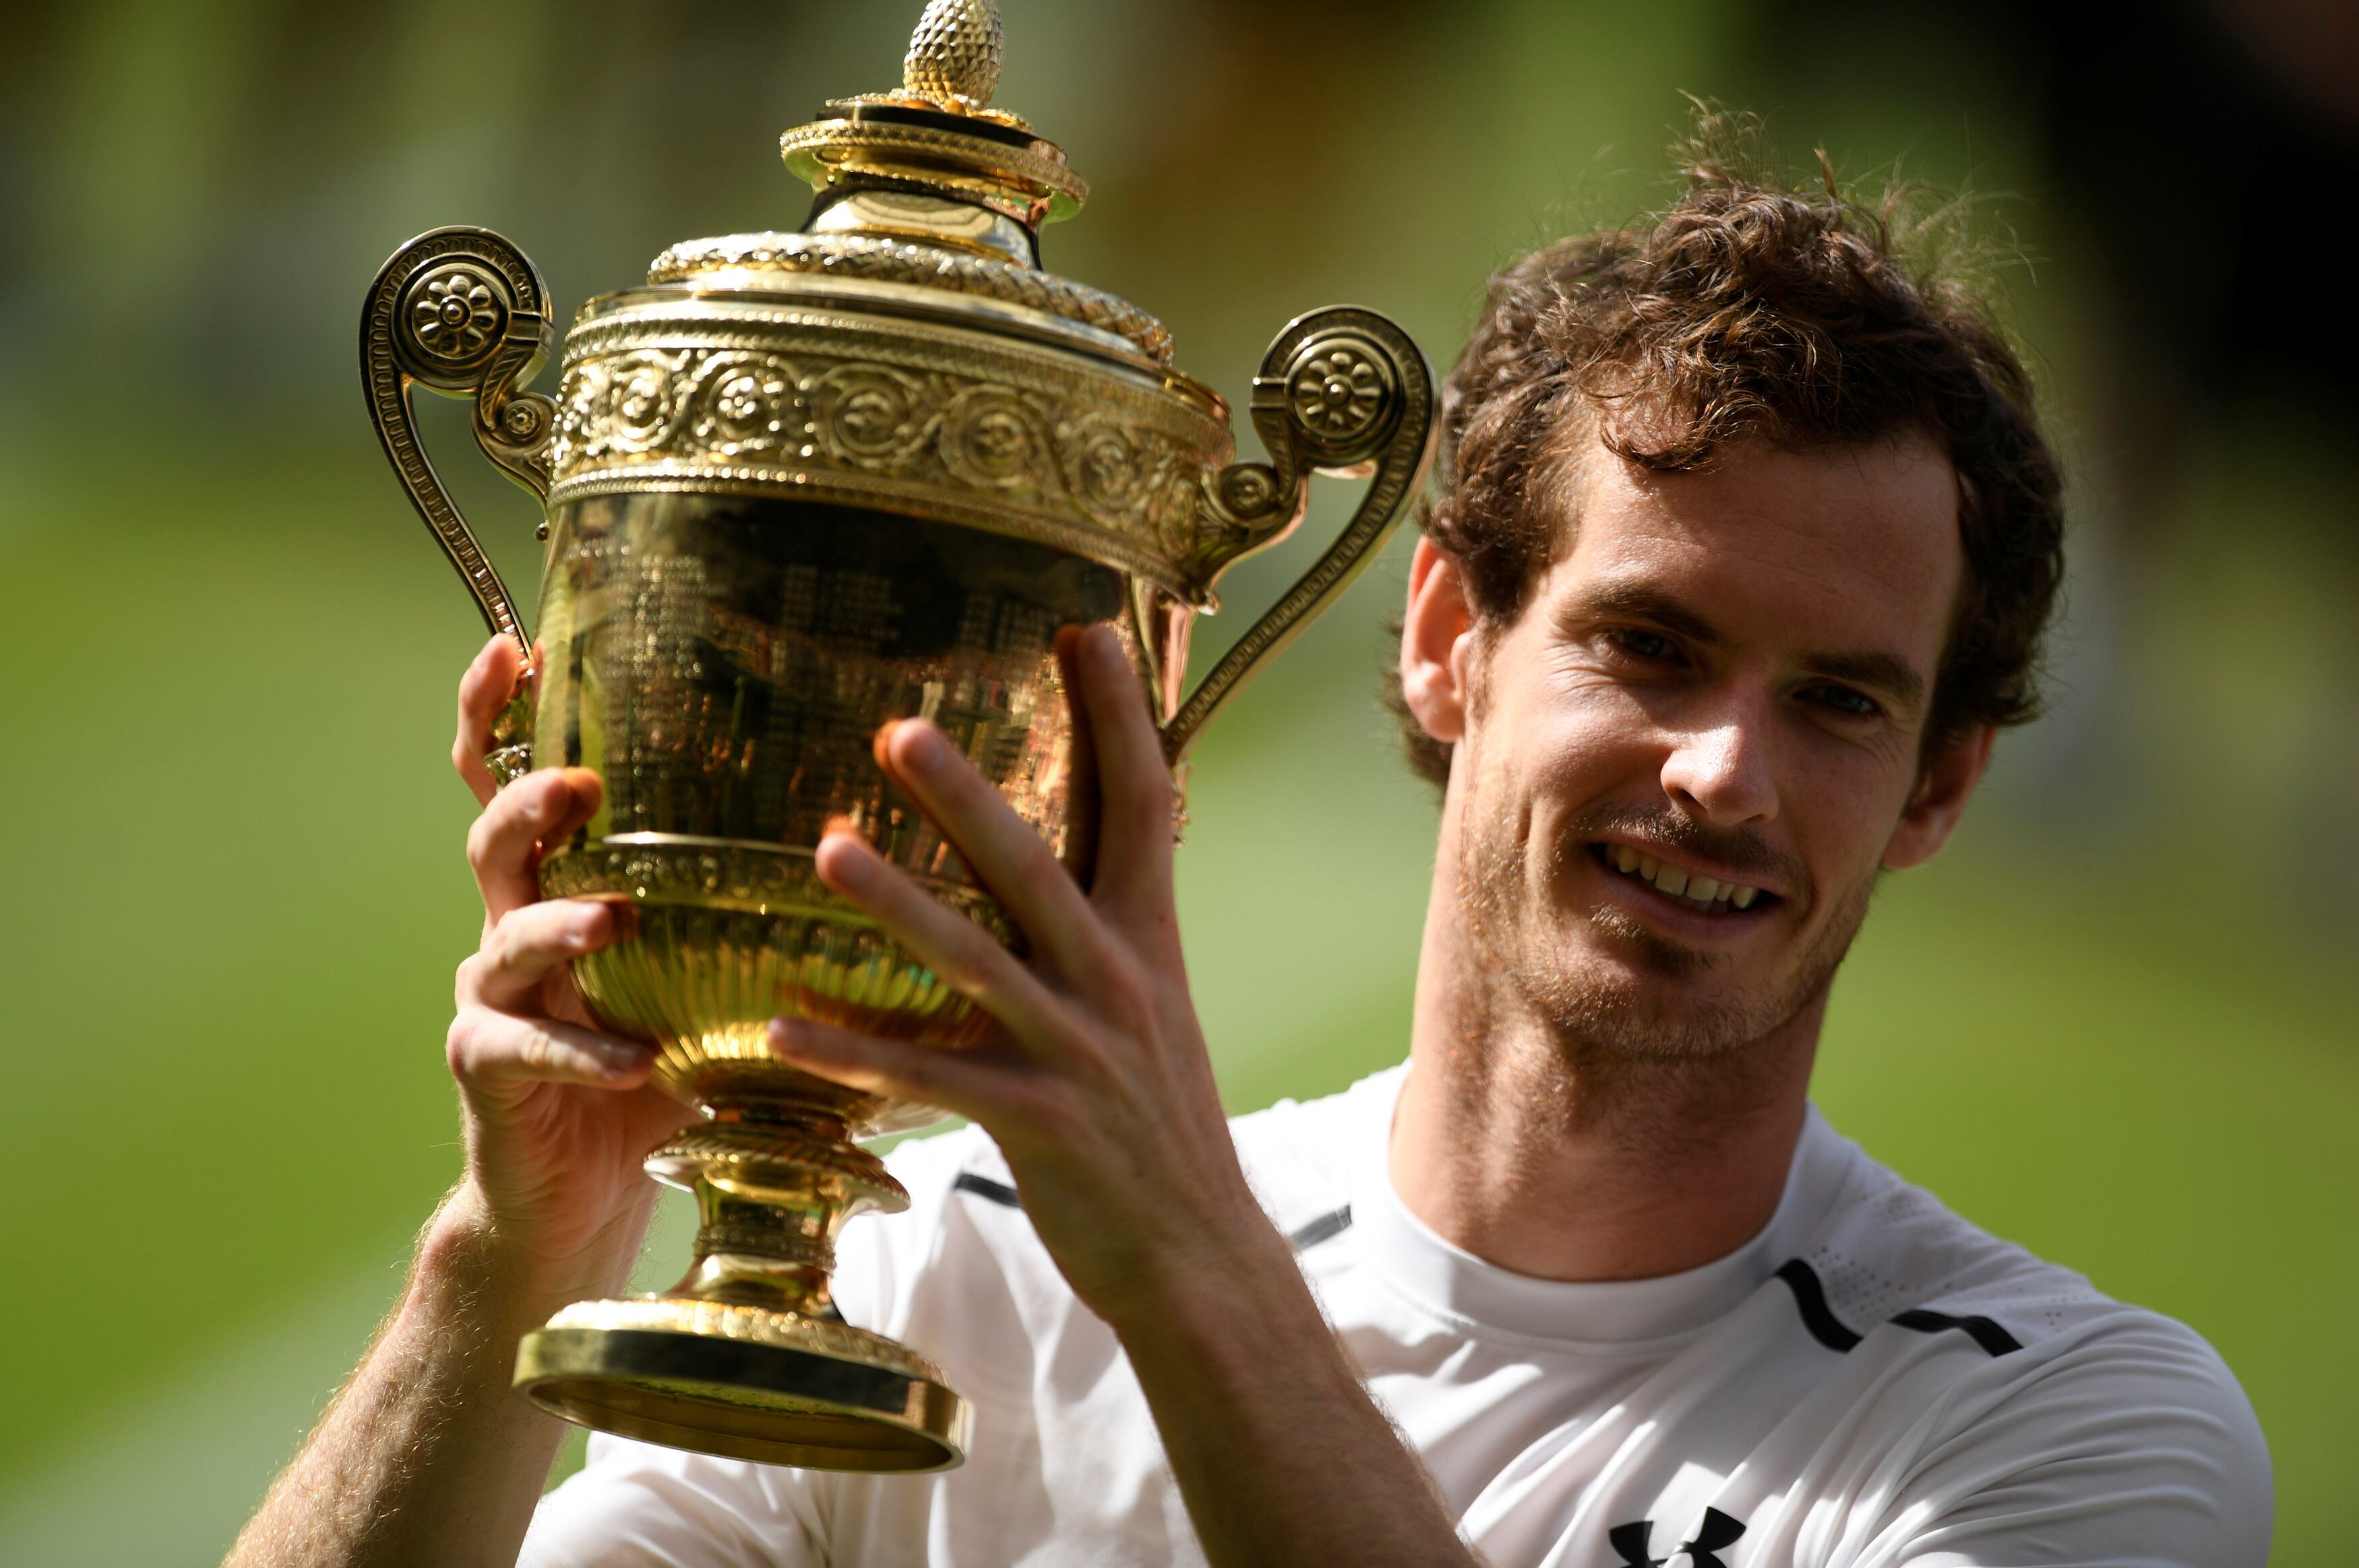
(745, 1383)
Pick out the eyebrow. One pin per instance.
(1641, 602)
(1887, 673)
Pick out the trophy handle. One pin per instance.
(462, 313)
(1342, 391)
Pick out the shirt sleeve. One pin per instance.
(2133, 1449)
(635, 1505)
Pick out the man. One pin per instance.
(1742, 552)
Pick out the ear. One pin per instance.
(1944, 786)
(1435, 629)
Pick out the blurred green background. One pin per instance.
(2114, 1022)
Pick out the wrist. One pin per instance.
(505, 1280)
(1199, 1309)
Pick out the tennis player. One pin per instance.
(1743, 544)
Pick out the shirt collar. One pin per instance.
(1623, 1313)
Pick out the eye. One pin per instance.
(1640, 644)
(1843, 699)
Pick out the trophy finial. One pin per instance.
(931, 161)
(955, 53)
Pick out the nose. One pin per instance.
(1719, 771)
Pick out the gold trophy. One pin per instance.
(796, 486)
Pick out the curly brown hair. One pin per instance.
(1751, 307)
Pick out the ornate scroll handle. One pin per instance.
(462, 313)
(1342, 391)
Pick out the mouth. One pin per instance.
(1689, 889)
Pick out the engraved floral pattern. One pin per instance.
(748, 404)
(1339, 394)
(869, 415)
(642, 402)
(1248, 489)
(456, 315)
(1126, 486)
(988, 440)
(1107, 471)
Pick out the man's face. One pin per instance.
(1683, 762)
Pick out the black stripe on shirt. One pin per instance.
(1810, 1300)
(999, 1193)
(1997, 1341)
(1324, 1229)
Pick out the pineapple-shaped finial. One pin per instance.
(954, 55)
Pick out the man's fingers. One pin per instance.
(954, 1081)
(484, 690)
(488, 1048)
(503, 845)
(528, 943)
(968, 958)
(1005, 852)
(1134, 799)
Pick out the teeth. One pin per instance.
(1695, 892)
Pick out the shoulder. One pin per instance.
(1878, 1251)
(2018, 1400)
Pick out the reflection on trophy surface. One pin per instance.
(799, 485)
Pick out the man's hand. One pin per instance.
(559, 1115)
(1097, 1086)
(1100, 1094)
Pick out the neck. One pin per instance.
(1561, 1161)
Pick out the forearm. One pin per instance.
(1281, 1453)
(427, 1455)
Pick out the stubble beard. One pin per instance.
(1597, 1008)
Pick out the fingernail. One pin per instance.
(618, 1059)
(789, 1036)
(925, 749)
(852, 862)
(582, 924)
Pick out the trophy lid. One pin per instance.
(929, 184)
(937, 134)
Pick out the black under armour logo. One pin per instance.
(1717, 1532)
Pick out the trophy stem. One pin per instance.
(774, 1183)
(743, 1357)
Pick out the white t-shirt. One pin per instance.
(1868, 1382)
